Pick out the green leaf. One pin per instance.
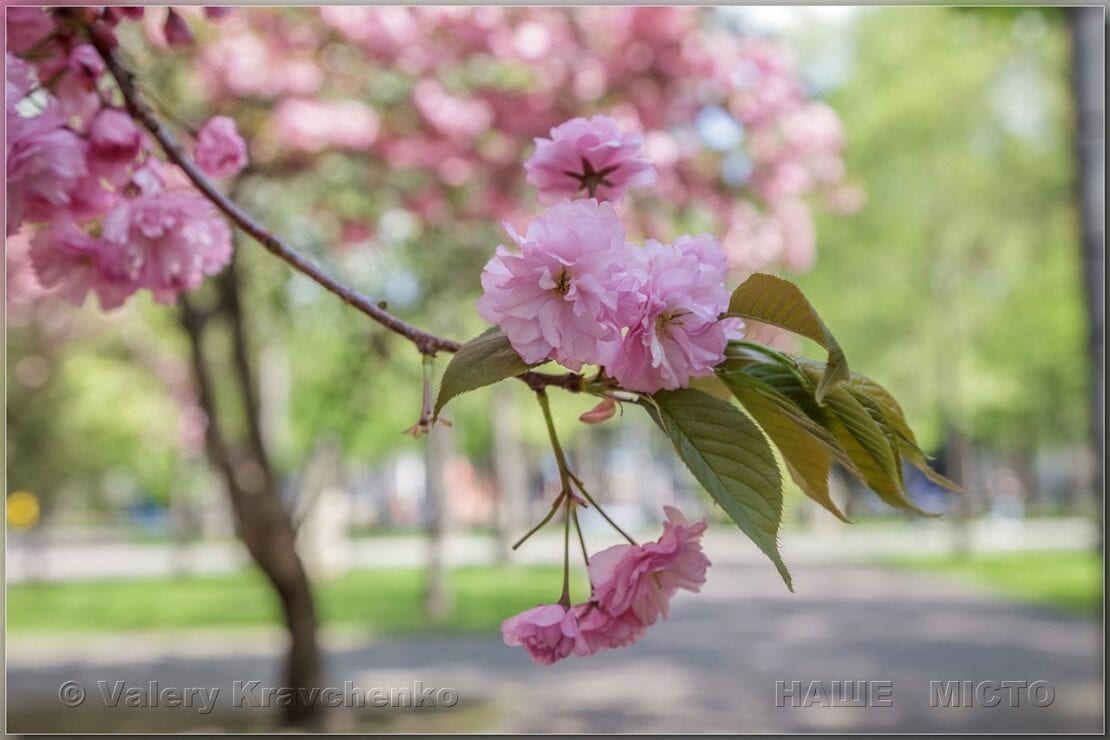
(779, 302)
(870, 448)
(730, 457)
(484, 360)
(806, 446)
(887, 412)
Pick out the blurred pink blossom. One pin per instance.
(26, 27)
(220, 150)
(315, 125)
(115, 142)
(168, 241)
(66, 258)
(176, 30)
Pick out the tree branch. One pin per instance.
(426, 342)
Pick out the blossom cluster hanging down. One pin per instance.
(112, 217)
(632, 588)
(576, 291)
(579, 293)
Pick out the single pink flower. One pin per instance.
(584, 152)
(598, 630)
(27, 27)
(569, 291)
(220, 150)
(169, 241)
(548, 632)
(45, 164)
(66, 258)
(642, 579)
(678, 335)
(115, 142)
(71, 78)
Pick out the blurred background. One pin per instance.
(928, 177)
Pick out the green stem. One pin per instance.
(588, 497)
(560, 459)
(564, 599)
(581, 539)
(545, 520)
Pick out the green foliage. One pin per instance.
(729, 456)
(806, 446)
(778, 302)
(482, 361)
(958, 284)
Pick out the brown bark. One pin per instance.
(262, 521)
(1088, 32)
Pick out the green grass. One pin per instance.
(1067, 580)
(379, 601)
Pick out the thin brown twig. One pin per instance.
(427, 343)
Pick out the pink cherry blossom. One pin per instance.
(26, 27)
(678, 335)
(75, 77)
(643, 578)
(45, 164)
(169, 241)
(584, 152)
(67, 258)
(598, 630)
(314, 125)
(115, 142)
(220, 150)
(548, 632)
(566, 295)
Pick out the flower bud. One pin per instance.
(602, 412)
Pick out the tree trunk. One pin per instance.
(1088, 32)
(262, 520)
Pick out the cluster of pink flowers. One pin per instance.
(522, 70)
(632, 586)
(109, 217)
(579, 293)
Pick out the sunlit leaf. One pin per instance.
(806, 446)
(779, 302)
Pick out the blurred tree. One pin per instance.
(1088, 45)
(972, 311)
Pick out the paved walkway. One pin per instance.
(712, 667)
(831, 541)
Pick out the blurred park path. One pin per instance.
(711, 668)
(68, 559)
